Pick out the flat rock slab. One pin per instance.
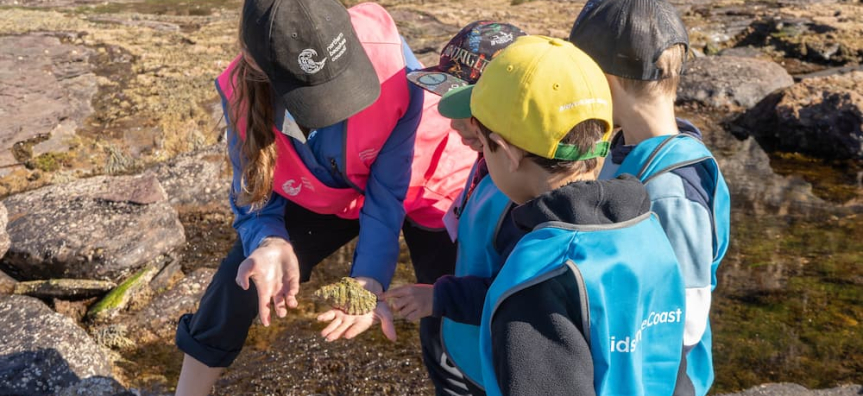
(786, 389)
(158, 320)
(42, 351)
(96, 386)
(94, 228)
(201, 179)
(64, 288)
(821, 116)
(731, 81)
(47, 89)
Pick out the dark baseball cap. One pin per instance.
(626, 37)
(465, 56)
(312, 57)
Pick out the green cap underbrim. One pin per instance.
(456, 103)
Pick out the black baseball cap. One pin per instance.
(626, 37)
(312, 57)
(465, 56)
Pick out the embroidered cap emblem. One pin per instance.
(307, 62)
(292, 188)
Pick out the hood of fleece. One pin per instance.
(586, 202)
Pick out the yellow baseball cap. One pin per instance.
(533, 93)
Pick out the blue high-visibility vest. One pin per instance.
(479, 221)
(650, 160)
(630, 292)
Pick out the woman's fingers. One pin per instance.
(337, 333)
(279, 304)
(361, 324)
(327, 316)
(334, 324)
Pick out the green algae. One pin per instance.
(118, 298)
(804, 328)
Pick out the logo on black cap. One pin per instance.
(307, 62)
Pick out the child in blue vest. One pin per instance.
(480, 220)
(590, 300)
(641, 46)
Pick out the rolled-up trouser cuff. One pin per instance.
(211, 357)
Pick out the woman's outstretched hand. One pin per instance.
(350, 326)
(274, 268)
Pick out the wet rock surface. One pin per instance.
(47, 87)
(64, 288)
(821, 116)
(101, 228)
(785, 389)
(730, 81)
(42, 351)
(158, 320)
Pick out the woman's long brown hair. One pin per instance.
(253, 98)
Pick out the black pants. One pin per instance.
(215, 334)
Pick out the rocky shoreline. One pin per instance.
(114, 179)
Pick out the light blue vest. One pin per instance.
(480, 220)
(629, 283)
(657, 156)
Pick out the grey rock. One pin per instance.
(7, 284)
(90, 229)
(4, 236)
(744, 52)
(755, 189)
(95, 386)
(197, 180)
(787, 389)
(42, 351)
(112, 336)
(64, 288)
(820, 116)
(143, 191)
(730, 81)
(47, 89)
(167, 276)
(831, 71)
(158, 320)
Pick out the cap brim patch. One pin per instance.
(456, 103)
(434, 80)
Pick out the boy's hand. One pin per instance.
(350, 326)
(412, 302)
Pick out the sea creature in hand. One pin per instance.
(349, 296)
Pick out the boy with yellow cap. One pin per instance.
(591, 300)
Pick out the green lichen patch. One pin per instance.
(119, 298)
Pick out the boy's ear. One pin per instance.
(513, 154)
